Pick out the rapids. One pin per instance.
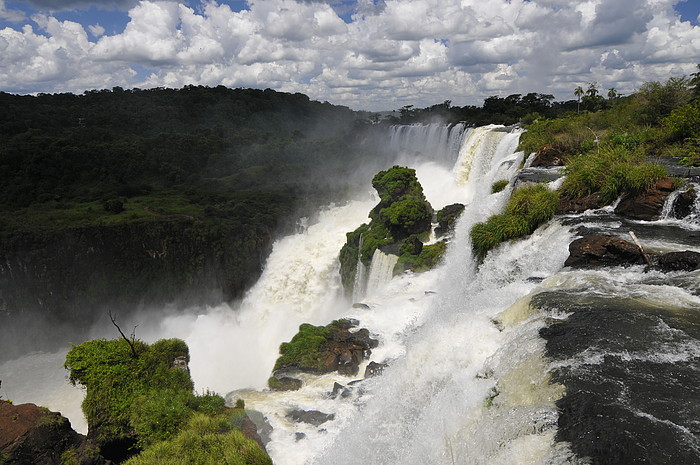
(510, 361)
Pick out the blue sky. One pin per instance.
(371, 54)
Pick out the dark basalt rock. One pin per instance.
(678, 261)
(280, 382)
(548, 155)
(312, 417)
(35, 435)
(374, 369)
(579, 204)
(339, 390)
(593, 250)
(360, 305)
(446, 218)
(646, 205)
(683, 205)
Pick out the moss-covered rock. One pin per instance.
(428, 257)
(323, 349)
(402, 212)
(137, 397)
(447, 216)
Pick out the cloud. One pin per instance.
(386, 53)
(12, 16)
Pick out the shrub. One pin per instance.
(683, 122)
(204, 440)
(498, 186)
(526, 210)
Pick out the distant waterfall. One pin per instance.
(435, 142)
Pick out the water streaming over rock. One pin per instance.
(509, 361)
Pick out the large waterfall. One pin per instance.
(498, 362)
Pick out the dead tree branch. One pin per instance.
(130, 342)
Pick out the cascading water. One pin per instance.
(381, 270)
(514, 360)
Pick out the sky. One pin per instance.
(365, 54)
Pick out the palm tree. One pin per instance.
(578, 92)
(612, 93)
(592, 90)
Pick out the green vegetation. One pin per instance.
(205, 440)
(528, 207)
(498, 186)
(428, 258)
(304, 350)
(142, 399)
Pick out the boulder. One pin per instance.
(374, 369)
(683, 204)
(678, 261)
(36, 435)
(339, 390)
(594, 250)
(446, 218)
(548, 155)
(646, 205)
(579, 204)
(280, 382)
(312, 417)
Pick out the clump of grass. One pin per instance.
(498, 186)
(610, 171)
(526, 210)
(204, 440)
(303, 351)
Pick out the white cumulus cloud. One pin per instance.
(390, 53)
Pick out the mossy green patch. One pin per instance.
(527, 209)
(303, 351)
(498, 186)
(428, 258)
(205, 440)
(141, 398)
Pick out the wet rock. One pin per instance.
(360, 305)
(279, 382)
(35, 435)
(374, 369)
(579, 204)
(683, 205)
(538, 175)
(593, 250)
(646, 205)
(678, 261)
(548, 155)
(299, 436)
(312, 417)
(447, 217)
(339, 390)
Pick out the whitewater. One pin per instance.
(472, 374)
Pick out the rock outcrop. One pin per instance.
(324, 349)
(446, 218)
(683, 204)
(546, 156)
(579, 204)
(36, 435)
(594, 250)
(646, 205)
(678, 261)
(312, 417)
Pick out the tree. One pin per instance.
(695, 83)
(592, 90)
(612, 93)
(578, 92)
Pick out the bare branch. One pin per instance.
(130, 342)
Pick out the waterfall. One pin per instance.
(381, 270)
(427, 142)
(481, 356)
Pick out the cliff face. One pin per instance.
(67, 277)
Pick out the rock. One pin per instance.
(646, 205)
(678, 261)
(360, 305)
(683, 205)
(299, 436)
(250, 430)
(411, 245)
(312, 417)
(579, 204)
(548, 155)
(596, 250)
(447, 217)
(339, 389)
(374, 369)
(284, 383)
(319, 349)
(538, 175)
(35, 435)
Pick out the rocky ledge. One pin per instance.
(36, 435)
